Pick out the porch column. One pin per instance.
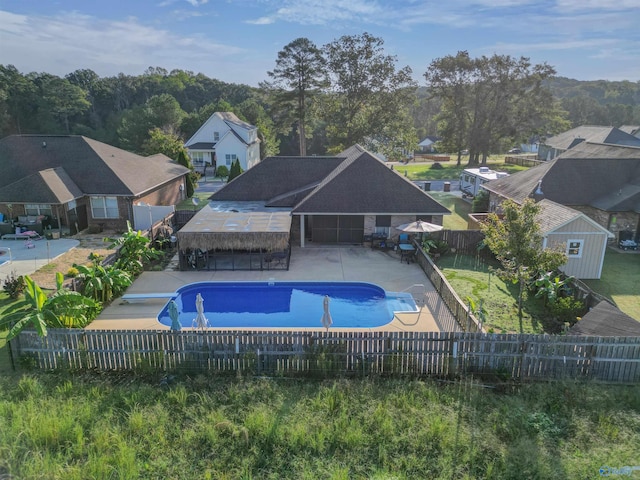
(301, 231)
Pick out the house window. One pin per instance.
(37, 209)
(574, 248)
(230, 158)
(383, 225)
(216, 136)
(104, 207)
(197, 158)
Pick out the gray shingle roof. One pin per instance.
(354, 182)
(553, 215)
(606, 320)
(602, 176)
(593, 134)
(202, 146)
(82, 164)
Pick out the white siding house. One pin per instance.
(472, 178)
(222, 139)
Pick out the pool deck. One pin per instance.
(349, 263)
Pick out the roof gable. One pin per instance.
(593, 134)
(363, 185)
(552, 216)
(82, 164)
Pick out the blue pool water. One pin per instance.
(288, 304)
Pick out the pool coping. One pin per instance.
(338, 264)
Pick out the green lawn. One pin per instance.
(187, 203)
(459, 210)
(471, 278)
(620, 281)
(122, 426)
(424, 171)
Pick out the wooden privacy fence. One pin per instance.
(523, 161)
(334, 353)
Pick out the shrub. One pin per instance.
(437, 166)
(480, 203)
(14, 285)
(567, 309)
(222, 171)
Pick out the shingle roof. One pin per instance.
(593, 134)
(51, 186)
(81, 164)
(630, 129)
(231, 117)
(354, 182)
(552, 216)
(602, 176)
(606, 320)
(202, 146)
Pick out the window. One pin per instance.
(197, 158)
(37, 209)
(383, 225)
(104, 207)
(216, 136)
(574, 248)
(230, 158)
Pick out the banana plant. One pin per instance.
(551, 287)
(63, 308)
(103, 283)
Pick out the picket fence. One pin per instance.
(334, 353)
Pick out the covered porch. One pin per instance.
(232, 240)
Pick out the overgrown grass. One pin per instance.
(450, 171)
(620, 281)
(77, 427)
(458, 207)
(470, 276)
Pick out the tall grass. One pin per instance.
(76, 427)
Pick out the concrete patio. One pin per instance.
(345, 263)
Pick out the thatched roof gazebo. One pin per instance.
(256, 236)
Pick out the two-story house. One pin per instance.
(221, 140)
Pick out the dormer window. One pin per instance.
(216, 136)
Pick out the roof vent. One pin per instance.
(44, 144)
(484, 169)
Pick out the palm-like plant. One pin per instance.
(103, 283)
(134, 251)
(62, 309)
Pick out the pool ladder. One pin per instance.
(420, 299)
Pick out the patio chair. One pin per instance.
(29, 244)
(403, 238)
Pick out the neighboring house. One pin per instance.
(555, 146)
(222, 139)
(583, 239)
(472, 178)
(601, 181)
(631, 130)
(428, 145)
(606, 320)
(73, 181)
(328, 200)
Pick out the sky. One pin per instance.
(238, 41)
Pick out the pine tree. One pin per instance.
(235, 171)
(183, 159)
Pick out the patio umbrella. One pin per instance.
(419, 227)
(173, 315)
(326, 316)
(200, 320)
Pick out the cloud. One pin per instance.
(63, 43)
(323, 12)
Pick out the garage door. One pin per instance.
(337, 229)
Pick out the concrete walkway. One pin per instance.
(25, 261)
(352, 263)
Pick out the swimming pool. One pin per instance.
(288, 304)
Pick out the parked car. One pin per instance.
(515, 150)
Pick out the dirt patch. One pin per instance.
(46, 276)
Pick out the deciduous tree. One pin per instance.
(516, 241)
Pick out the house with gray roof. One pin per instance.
(601, 181)
(72, 181)
(631, 130)
(346, 199)
(554, 146)
(221, 140)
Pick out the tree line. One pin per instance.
(320, 100)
